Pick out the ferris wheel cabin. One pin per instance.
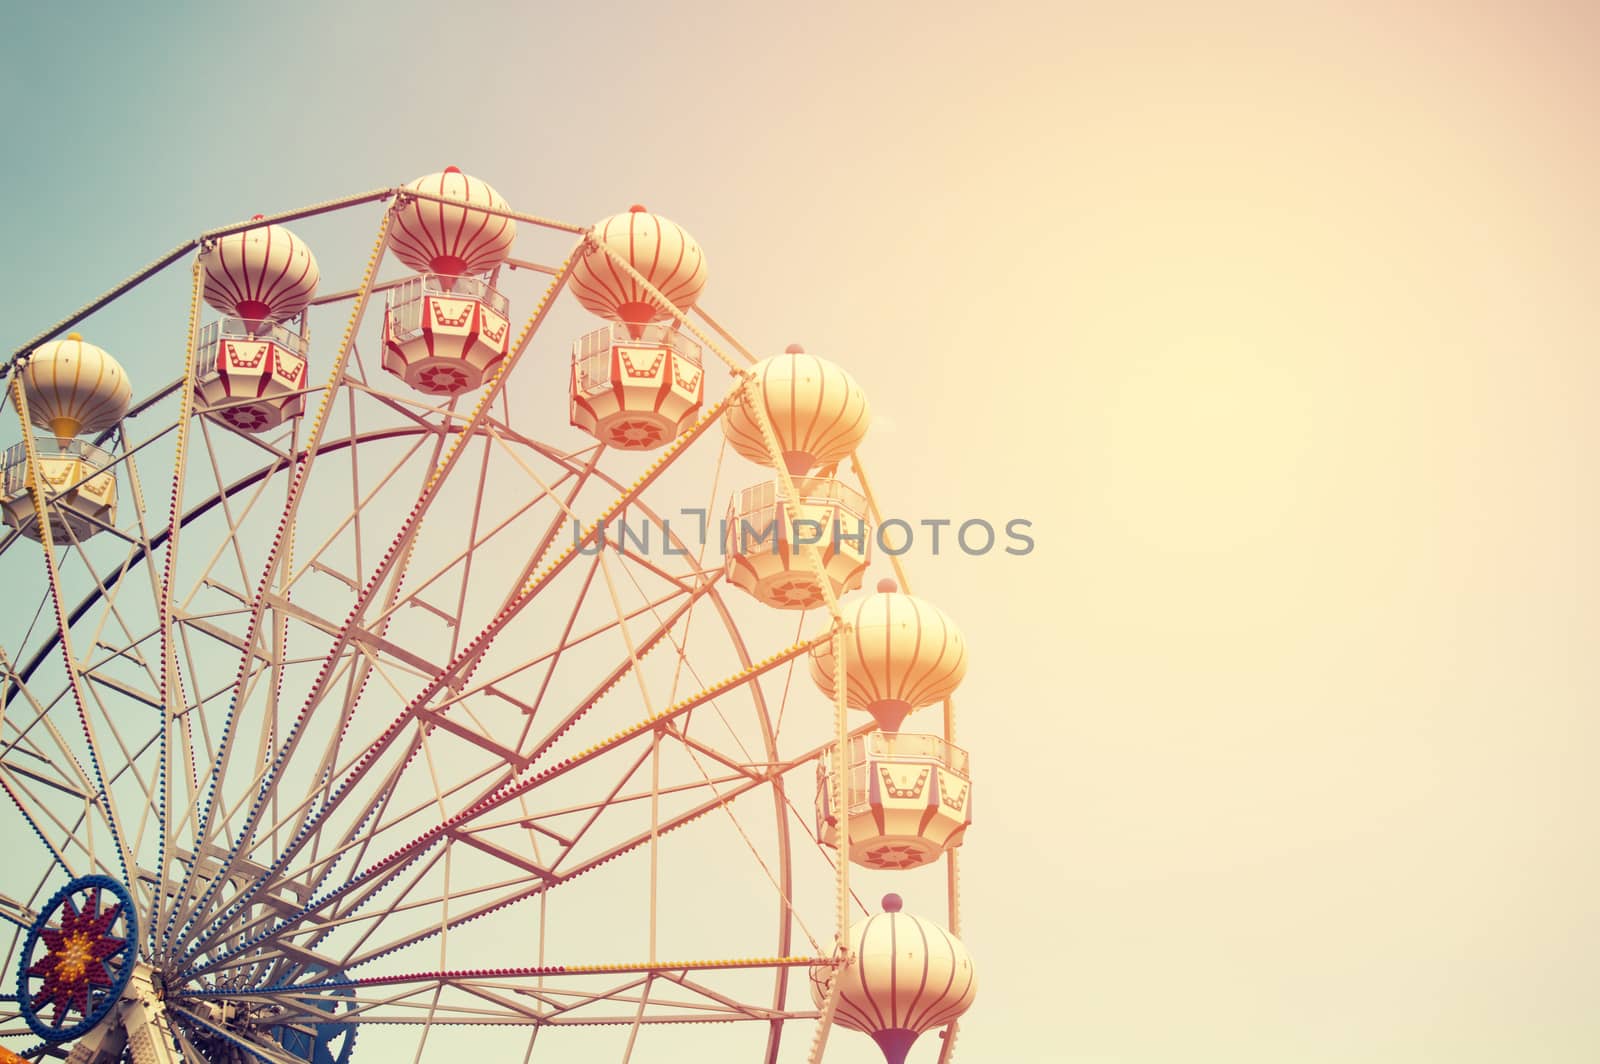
(80, 489)
(250, 378)
(910, 799)
(69, 387)
(250, 371)
(447, 329)
(635, 387)
(445, 334)
(907, 796)
(766, 539)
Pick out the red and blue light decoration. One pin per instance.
(88, 930)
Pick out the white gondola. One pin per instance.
(764, 545)
(79, 486)
(908, 799)
(635, 392)
(250, 378)
(444, 335)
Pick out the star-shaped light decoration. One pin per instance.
(798, 593)
(247, 418)
(892, 856)
(77, 957)
(442, 380)
(636, 435)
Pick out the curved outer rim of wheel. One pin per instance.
(327, 1034)
(112, 994)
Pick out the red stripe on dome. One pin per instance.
(460, 237)
(669, 285)
(302, 291)
(655, 259)
(440, 233)
(626, 285)
(623, 293)
(945, 1004)
(842, 431)
(889, 688)
(861, 968)
(269, 292)
(922, 983)
(908, 688)
(485, 250)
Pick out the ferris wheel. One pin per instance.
(367, 694)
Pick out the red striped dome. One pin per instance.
(817, 410)
(447, 239)
(659, 249)
(901, 653)
(260, 274)
(909, 975)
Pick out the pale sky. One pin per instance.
(1279, 323)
